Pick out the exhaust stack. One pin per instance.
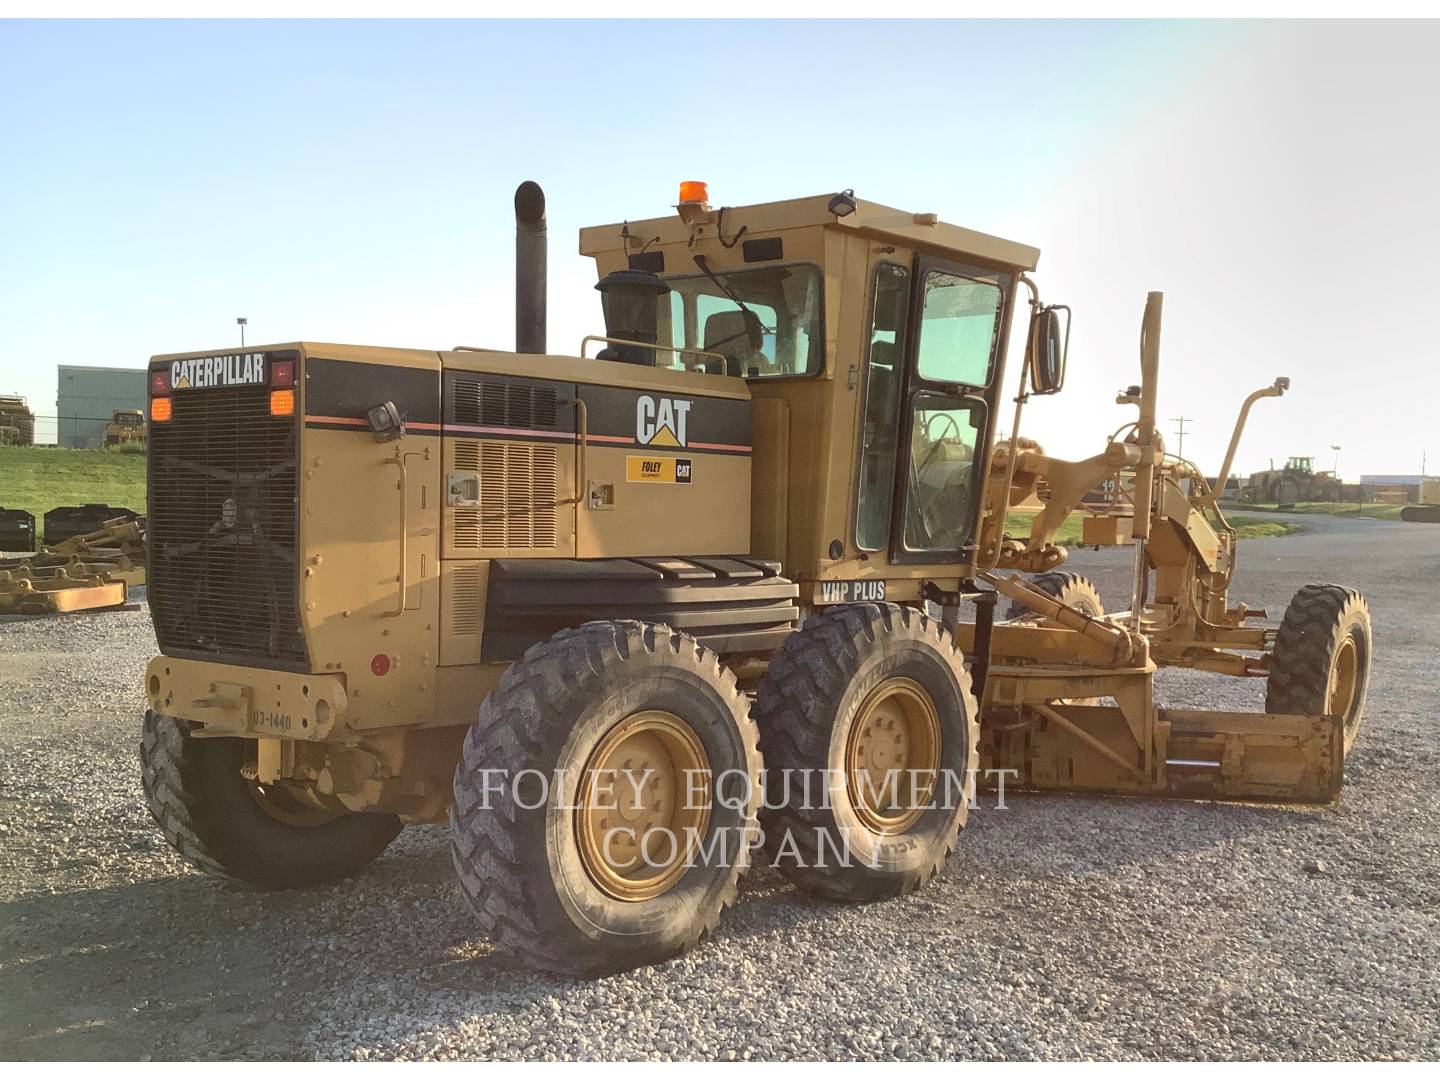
(530, 268)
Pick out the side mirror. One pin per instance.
(1045, 349)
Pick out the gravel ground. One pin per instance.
(1064, 927)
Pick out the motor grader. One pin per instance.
(126, 427)
(724, 578)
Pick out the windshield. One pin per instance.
(774, 329)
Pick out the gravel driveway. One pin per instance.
(1064, 927)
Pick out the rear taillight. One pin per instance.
(160, 381)
(282, 373)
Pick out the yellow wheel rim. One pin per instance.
(643, 805)
(1344, 677)
(892, 756)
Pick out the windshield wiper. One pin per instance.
(705, 269)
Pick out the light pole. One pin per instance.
(240, 322)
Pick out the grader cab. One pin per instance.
(725, 579)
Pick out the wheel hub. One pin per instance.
(892, 756)
(643, 806)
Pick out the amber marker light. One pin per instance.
(282, 402)
(159, 410)
(694, 191)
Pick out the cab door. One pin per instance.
(932, 374)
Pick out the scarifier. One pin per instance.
(761, 519)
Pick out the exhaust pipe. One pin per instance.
(529, 268)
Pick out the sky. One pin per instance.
(352, 181)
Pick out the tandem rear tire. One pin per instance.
(869, 730)
(234, 828)
(1321, 661)
(605, 804)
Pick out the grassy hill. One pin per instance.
(1379, 511)
(40, 478)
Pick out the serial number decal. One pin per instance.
(658, 470)
(274, 721)
(233, 369)
(851, 592)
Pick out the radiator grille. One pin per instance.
(511, 405)
(222, 531)
(519, 488)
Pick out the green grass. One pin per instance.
(1248, 528)
(1018, 524)
(1379, 511)
(40, 478)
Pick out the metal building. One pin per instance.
(87, 398)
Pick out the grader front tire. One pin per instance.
(859, 691)
(579, 878)
(1073, 590)
(1321, 662)
(230, 827)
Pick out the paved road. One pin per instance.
(1064, 927)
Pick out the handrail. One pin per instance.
(399, 460)
(678, 350)
(582, 422)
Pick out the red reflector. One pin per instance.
(380, 665)
(160, 382)
(282, 373)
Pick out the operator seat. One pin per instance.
(737, 336)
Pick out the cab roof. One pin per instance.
(872, 219)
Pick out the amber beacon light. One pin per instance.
(694, 191)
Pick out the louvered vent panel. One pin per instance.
(506, 405)
(467, 455)
(519, 486)
(463, 601)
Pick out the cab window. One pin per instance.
(941, 485)
(959, 325)
(880, 424)
(758, 323)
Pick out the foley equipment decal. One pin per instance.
(658, 470)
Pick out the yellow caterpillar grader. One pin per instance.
(725, 578)
(126, 427)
